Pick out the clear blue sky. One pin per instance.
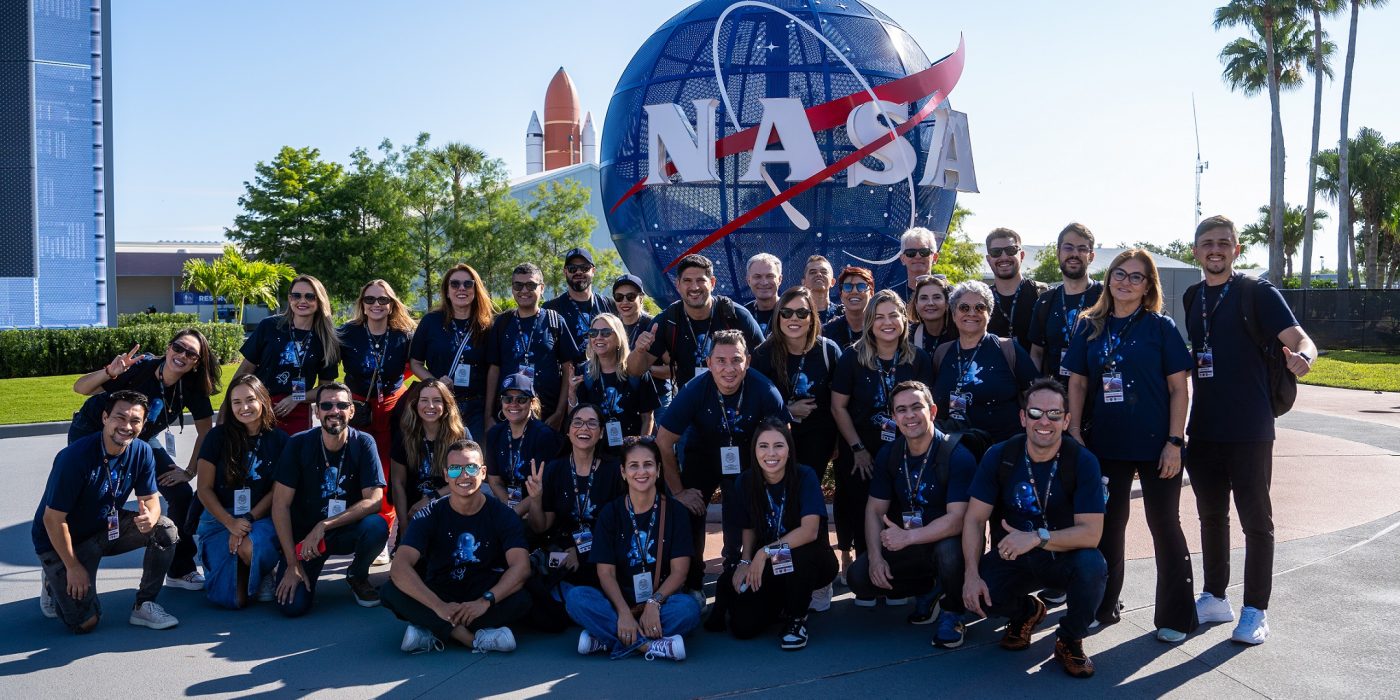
(1078, 111)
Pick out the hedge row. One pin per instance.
(47, 352)
(160, 319)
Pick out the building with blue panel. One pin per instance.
(56, 242)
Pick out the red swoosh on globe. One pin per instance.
(940, 77)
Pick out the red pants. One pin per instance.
(298, 420)
(381, 429)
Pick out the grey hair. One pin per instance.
(971, 287)
(769, 258)
(918, 233)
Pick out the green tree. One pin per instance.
(286, 207)
(958, 258)
(559, 215)
(1346, 248)
(1175, 250)
(206, 276)
(1047, 266)
(1294, 226)
(1320, 68)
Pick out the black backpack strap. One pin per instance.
(1008, 351)
(1011, 453)
(1249, 312)
(940, 353)
(942, 465)
(1069, 467)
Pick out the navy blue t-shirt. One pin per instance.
(869, 389)
(86, 484)
(319, 475)
(265, 448)
(1053, 324)
(1020, 502)
(1135, 428)
(465, 554)
(995, 389)
(698, 407)
(688, 340)
(628, 541)
(764, 319)
(782, 511)
(578, 316)
(509, 457)
(575, 499)
(1234, 405)
(167, 402)
(622, 400)
(839, 330)
(542, 341)
(436, 347)
(360, 353)
(419, 479)
(283, 353)
(807, 376)
(1011, 315)
(663, 386)
(911, 481)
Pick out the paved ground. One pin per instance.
(1337, 505)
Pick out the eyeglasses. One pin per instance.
(1006, 250)
(1072, 248)
(620, 297)
(1053, 414)
(377, 301)
(849, 287)
(331, 405)
(969, 308)
(581, 423)
(1136, 278)
(472, 470)
(301, 296)
(801, 313)
(917, 252)
(516, 399)
(187, 351)
(524, 286)
(600, 332)
(578, 267)
(461, 284)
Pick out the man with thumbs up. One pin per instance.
(914, 516)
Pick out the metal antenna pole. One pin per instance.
(1200, 164)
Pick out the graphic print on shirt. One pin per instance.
(255, 463)
(639, 551)
(703, 346)
(1024, 500)
(464, 554)
(582, 323)
(425, 476)
(329, 486)
(801, 385)
(291, 354)
(612, 401)
(970, 377)
(157, 409)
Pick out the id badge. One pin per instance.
(614, 429)
(527, 369)
(299, 390)
(887, 428)
(243, 501)
(1205, 364)
(556, 559)
(701, 370)
(958, 405)
(1113, 387)
(114, 525)
(781, 557)
(1063, 372)
(913, 519)
(641, 587)
(514, 496)
(334, 507)
(729, 460)
(583, 540)
(462, 375)
(169, 440)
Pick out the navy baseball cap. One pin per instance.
(633, 280)
(578, 253)
(520, 382)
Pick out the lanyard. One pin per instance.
(114, 477)
(724, 412)
(377, 350)
(887, 376)
(513, 449)
(583, 500)
(775, 512)
(1043, 503)
(529, 339)
(965, 365)
(462, 338)
(913, 481)
(1207, 316)
(1112, 342)
(303, 350)
(638, 541)
(423, 474)
(1010, 319)
(1064, 311)
(165, 399)
(709, 328)
(339, 465)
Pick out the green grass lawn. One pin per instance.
(43, 399)
(1354, 369)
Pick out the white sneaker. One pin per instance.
(896, 602)
(1212, 609)
(383, 558)
(267, 590)
(193, 581)
(588, 644)
(151, 615)
(672, 647)
(493, 639)
(1253, 627)
(417, 640)
(821, 599)
(866, 602)
(46, 604)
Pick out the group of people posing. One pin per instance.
(555, 464)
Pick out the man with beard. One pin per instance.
(765, 278)
(535, 342)
(918, 253)
(317, 473)
(1056, 312)
(578, 304)
(1015, 296)
(80, 520)
(817, 278)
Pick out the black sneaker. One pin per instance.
(1053, 596)
(796, 635)
(925, 610)
(364, 592)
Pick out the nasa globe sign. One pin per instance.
(816, 128)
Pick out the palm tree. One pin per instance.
(1344, 156)
(1375, 174)
(201, 275)
(1322, 49)
(1295, 222)
(252, 281)
(1266, 18)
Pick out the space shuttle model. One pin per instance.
(567, 136)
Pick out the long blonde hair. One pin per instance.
(595, 372)
(399, 319)
(450, 427)
(1103, 308)
(322, 324)
(865, 346)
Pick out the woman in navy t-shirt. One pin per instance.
(428, 423)
(627, 403)
(291, 351)
(801, 363)
(512, 444)
(929, 319)
(451, 341)
(975, 385)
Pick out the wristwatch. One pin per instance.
(1176, 440)
(1307, 357)
(1044, 536)
(489, 597)
(857, 447)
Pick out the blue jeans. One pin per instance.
(1082, 573)
(364, 539)
(589, 607)
(221, 567)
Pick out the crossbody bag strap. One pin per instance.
(660, 545)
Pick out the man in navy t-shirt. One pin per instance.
(458, 573)
(1043, 498)
(765, 277)
(1231, 429)
(579, 304)
(80, 519)
(1056, 311)
(326, 500)
(535, 342)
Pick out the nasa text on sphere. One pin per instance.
(740, 127)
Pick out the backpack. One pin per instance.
(723, 314)
(942, 460)
(1007, 346)
(974, 439)
(1012, 452)
(1283, 384)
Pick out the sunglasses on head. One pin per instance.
(1136, 278)
(600, 332)
(187, 351)
(1053, 414)
(578, 267)
(969, 308)
(1006, 250)
(330, 405)
(801, 313)
(376, 301)
(855, 287)
(524, 286)
(918, 252)
(461, 284)
(301, 296)
(620, 297)
(515, 399)
(456, 470)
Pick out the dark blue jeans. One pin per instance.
(364, 539)
(1081, 573)
(914, 571)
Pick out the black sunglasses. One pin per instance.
(918, 252)
(979, 308)
(600, 332)
(461, 284)
(1053, 414)
(187, 351)
(301, 296)
(1007, 250)
(578, 267)
(518, 398)
(849, 287)
(802, 313)
(625, 296)
(377, 301)
(524, 286)
(330, 405)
